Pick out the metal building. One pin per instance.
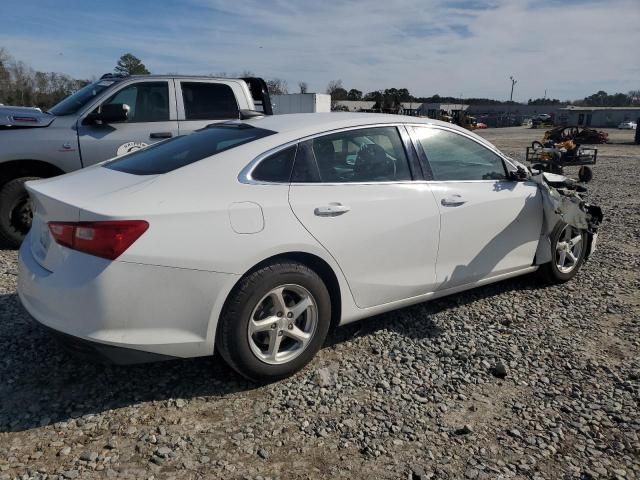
(596, 116)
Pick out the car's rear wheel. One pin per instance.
(15, 212)
(274, 322)
(568, 249)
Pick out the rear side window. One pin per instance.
(361, 155)
(275, 168)
(208, 101)
(177, 152)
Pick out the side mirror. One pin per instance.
(519, 175)
(109, 113)
(114, 112)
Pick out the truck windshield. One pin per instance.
(186, 149)
(75, 102)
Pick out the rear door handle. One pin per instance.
(453, 200)
(331, 210)
(161, 135)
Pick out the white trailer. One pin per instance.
(301, 103)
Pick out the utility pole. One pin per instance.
(513, 83)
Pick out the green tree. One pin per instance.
(543, 101)
(129, 64)
(354, 94)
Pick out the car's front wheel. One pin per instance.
(274, 322)
(568, 249)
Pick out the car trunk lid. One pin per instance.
(67, 199)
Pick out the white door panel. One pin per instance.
(383, 236)
(487, 228)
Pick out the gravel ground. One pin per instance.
(513, 380)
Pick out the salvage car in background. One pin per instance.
(254, 237)
(112, 116)
(628, 125)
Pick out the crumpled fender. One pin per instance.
(562, 201)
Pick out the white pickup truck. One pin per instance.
(112, 116)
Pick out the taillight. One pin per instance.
(103, 239)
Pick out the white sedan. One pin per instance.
(254, 237)
(627, 125)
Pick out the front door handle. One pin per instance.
(332, 210)
(161, 135)
(453, 200)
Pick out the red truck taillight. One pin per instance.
(107, 239)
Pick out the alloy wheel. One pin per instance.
(282, 324)
(568, 249)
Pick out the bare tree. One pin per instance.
(333, 86)
(277, 86)
(337, 92)
(4, 72)
(21, 85)
(302, 85)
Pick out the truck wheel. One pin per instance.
(585, 174)
(15, 212)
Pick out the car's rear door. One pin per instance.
(152, 118)
(355, 193)
(203, 102)
(489, 224)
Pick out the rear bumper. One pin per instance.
(124, 312)
(100, 352)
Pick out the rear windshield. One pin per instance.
(180, 151)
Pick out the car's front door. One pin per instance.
(152, 118)
(489, 224)
(354, 192)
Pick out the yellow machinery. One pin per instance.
(459, 118)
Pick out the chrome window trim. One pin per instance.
(245, 174)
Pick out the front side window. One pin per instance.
(208, 101)
(363, 155)
(177, 152)
(147, 101)
(452, 156)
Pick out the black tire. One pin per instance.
(550, 272)
(232, 334)
(585, 174)
(15, 212)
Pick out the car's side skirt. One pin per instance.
(368, 312)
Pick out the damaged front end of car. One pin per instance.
(564, 200)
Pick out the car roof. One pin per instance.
(294, 126)
(304, 124)
(168, 75)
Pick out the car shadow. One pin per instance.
(41, 383)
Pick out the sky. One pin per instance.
(469, 48)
